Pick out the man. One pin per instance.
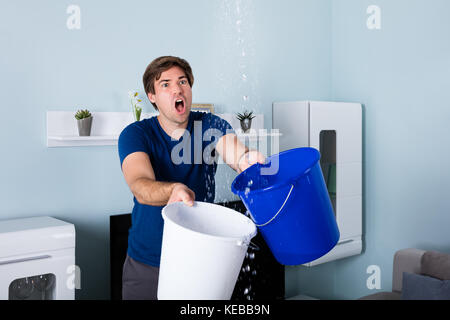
(161, 164)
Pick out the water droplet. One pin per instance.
(250, 183)
(247, 191)
(244, 77)
(245, 98)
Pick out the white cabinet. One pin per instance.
(37, 259)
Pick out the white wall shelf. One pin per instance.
(62, 128)
(254, 135)
(68, 141)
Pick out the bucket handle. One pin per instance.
(249, 244)
(276, 214)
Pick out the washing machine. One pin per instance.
(37, 259)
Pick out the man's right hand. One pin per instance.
(181, 192)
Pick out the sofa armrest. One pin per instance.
(436, 264)
(405, 260)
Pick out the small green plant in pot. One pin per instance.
(84, 120)
(135, 104)
(245, 119)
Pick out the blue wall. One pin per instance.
(44, 66)
(401, 75)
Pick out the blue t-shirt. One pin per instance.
(189, 160)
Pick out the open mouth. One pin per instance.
(179, 106)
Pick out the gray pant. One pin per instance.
(139, 280)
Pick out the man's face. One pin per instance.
(173, 95)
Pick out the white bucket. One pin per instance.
(203, 248)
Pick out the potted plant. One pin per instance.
(135, 107)
(84, 120)
(245, 119)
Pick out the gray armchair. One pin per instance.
(430, 263)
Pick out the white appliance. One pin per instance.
(335, 129)
(37, 259)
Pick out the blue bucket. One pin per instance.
(288, 200)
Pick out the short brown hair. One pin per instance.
(158, 66)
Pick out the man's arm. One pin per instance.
(236, 154)
(140, 177)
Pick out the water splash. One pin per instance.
(235, 27)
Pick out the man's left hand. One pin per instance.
(250, 158)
